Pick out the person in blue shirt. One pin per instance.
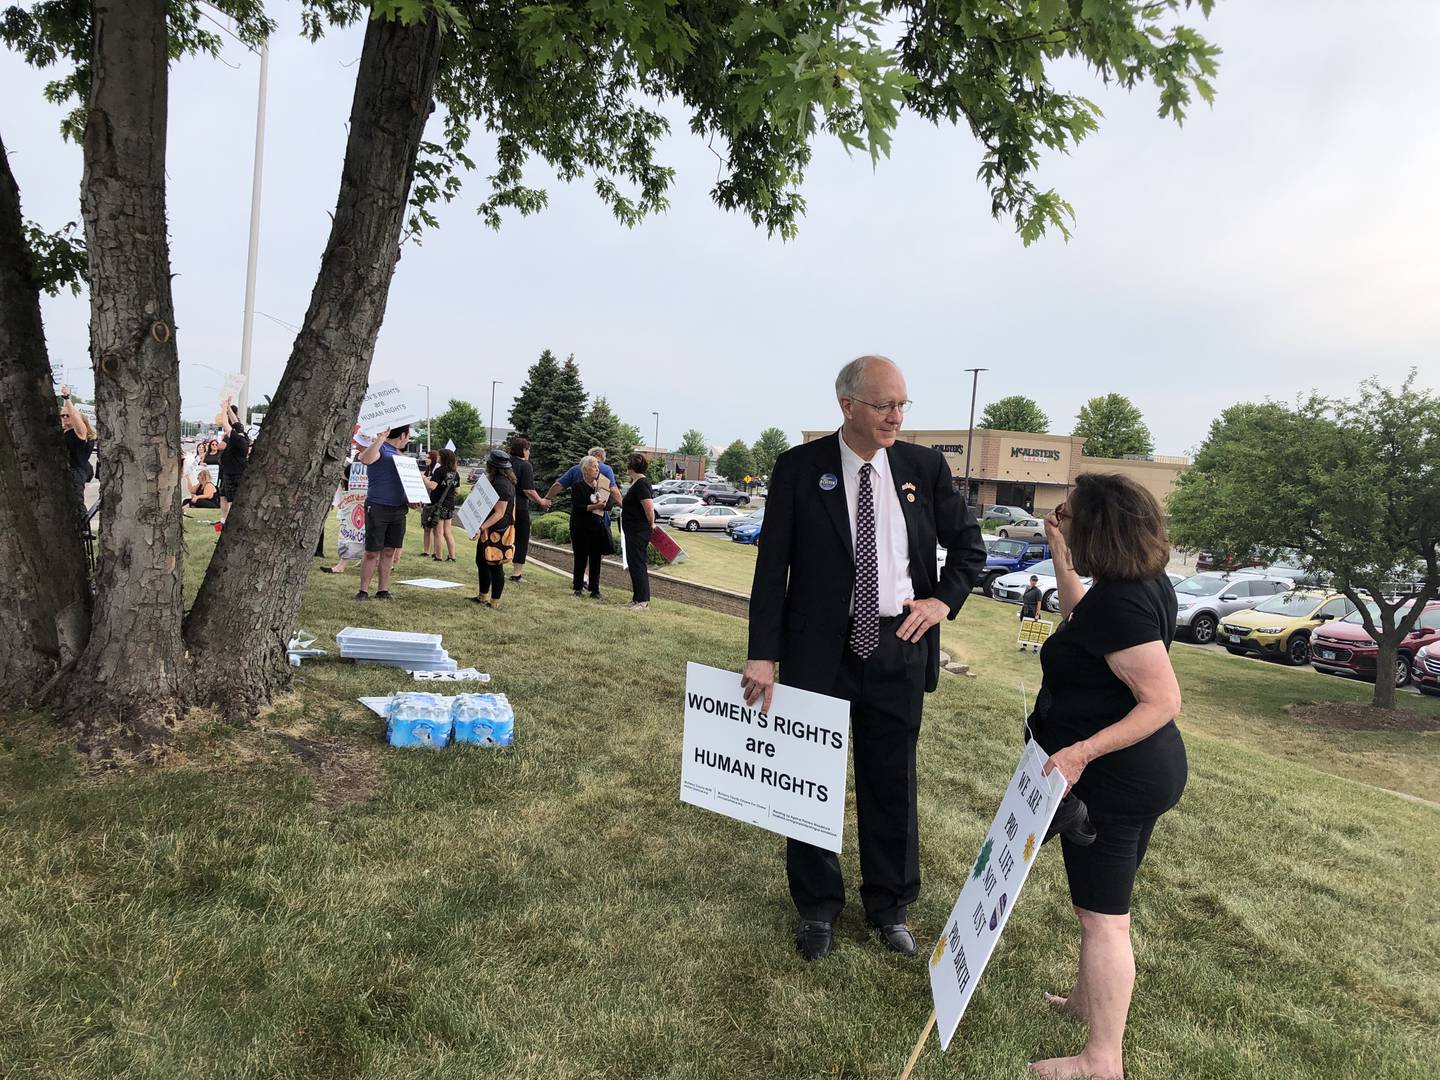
(572, 475)
(385, 509)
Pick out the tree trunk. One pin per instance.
(1384, 695)
(45, 611)
(251, 594)
(125, 692)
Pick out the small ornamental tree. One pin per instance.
(1113, 427)
(1015, 413)
(1351, 486)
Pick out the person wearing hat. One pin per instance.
(496, 544)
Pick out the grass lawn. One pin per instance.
(713, 559)
(553, 911)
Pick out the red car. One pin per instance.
(1426, 669)
(1346, 647)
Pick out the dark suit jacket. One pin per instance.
(805, 571)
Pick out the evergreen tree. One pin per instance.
(602, 428)
(771, 444)
(558, 434)
(539, 381)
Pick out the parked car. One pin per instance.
(1007, 556)
(704, 517)
(752, 518)
(1023, 529)
(1425, 669)
(1005, 513)
(746, 531)
(723, 494)
(669, 505)
(1204, 599)
(1280, 627)
(1346, 648)
(1207, 562)
(473, 476)
(668, 487)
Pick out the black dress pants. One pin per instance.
(886, 694)
(637, 550)
(522, 537)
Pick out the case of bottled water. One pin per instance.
(483, 719)
(415, 719)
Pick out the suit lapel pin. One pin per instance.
(828, 482)
(907, 486)
(910, 496)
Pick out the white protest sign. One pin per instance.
(409, 472)
(450, 445)
(351, 513)
(234, 383)
(989, 893)
(385, 406)
(477, 506)
(784, 771)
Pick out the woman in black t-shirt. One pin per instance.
(443, 480)
(1106, 716)
(497, 532)
(637, 523)
(79, 439)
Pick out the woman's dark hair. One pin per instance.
(518, 445)
(446, 458)
(492, 472)
(1116, 529)
(431, 457)
(638, 463)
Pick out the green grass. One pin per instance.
(713, 559)
(553, 911)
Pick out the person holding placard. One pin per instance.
(589, 534)
(496, 539)
(385, 509)
(1106, 716)
(847, 602)
(234, 456)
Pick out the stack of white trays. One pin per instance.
(413, 652)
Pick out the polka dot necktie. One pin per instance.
(865, 628)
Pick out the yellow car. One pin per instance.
(1279, 628)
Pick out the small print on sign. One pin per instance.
(784, 771)
(384, 407)
(477, 506)
(991, 889)
(409, 472)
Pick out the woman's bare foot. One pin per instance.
(1072, 1007)
(1076, 1068)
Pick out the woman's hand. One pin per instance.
(1070, 762)
(1053, 536)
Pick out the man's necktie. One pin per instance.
(865, 629)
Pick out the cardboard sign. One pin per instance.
(784, 771)
(385, 406)
(477, 506)
(665, 544)
(989, 893)
(408, 470)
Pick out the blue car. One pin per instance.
(747, 532)
(1007, 556)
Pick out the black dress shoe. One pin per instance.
(897, 938)
(814, 938)
(1072, 821)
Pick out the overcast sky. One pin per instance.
(1284, 240)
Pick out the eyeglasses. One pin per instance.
(885, 407)
(1062, 512)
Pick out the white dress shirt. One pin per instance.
(892, 542)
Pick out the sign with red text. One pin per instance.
(784, 771)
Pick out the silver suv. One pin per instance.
(1205, 599)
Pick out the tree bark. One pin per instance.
(125, 692)
(45, 610)
(249, 600)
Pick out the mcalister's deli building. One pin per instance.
(1014, 468)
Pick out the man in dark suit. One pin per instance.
(847, 602)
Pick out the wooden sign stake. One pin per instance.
(919, 1045)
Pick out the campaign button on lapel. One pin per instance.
(828, 482)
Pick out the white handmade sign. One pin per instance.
(989, 893)
(409, 472)
(351, 512)
(784, 771)
(477, 506)
(430, 583)
(385, 406)
(234, 383)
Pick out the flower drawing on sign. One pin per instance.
(938, 954)
(1029, 846)
(983, 859)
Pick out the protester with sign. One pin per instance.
(497, 531)
(525, 494)
(848, 603)
(443, 480)
(427, 514)
(385, 510)
(606, 484)
(79, 439)
(589, 535)
(234, 455)
(1106, 716)
(637, 523)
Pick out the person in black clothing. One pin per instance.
(637, 522)
(443, 481)
(589, 536)
(79, 440)
(497, 531)
(848, 601)
(1106, 716)
(234, 455)
(525, 494)
(1030, 602)
(427, 513)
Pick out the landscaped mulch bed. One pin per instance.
(1363, 717)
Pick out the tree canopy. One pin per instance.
(461, 423)
(1112, 427)
(771, 444)
(1015, 413)
(736, 462)
(693, 444)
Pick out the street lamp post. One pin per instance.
(427, 416)
(493, 383)
(970, 442)
(657, 430)
(248, 328)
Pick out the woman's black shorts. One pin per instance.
(1102, 876)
